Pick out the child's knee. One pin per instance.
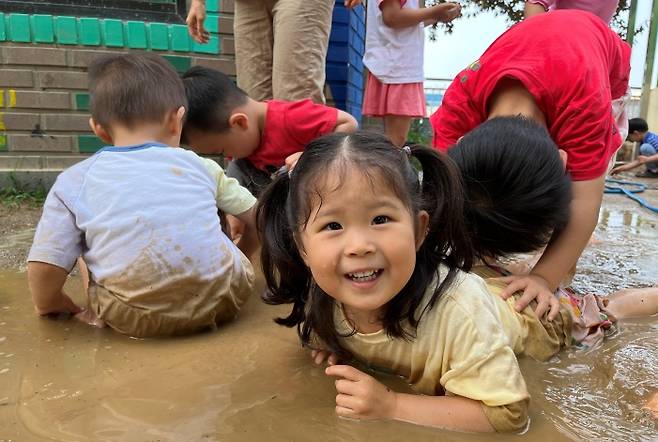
(647, 149)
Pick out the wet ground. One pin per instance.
(62, 380)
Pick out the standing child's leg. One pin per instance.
(633, 303)
(396, 127)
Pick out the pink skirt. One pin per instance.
(406, 99)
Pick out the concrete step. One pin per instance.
(33, 171)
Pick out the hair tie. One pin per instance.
(283, 170)
(407, 150)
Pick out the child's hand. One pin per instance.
(625, 167)
(446, 12)
(352, 3)
(534, 287)
(319, 356)
(361, 396)
(61, 304)
(194, 21)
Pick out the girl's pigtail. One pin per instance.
(288, 279)
(447, 240)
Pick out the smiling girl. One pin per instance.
(370, 257)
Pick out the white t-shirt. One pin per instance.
(147, 210)
(394, 56)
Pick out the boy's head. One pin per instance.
(517, 190)
(131, 91)
(220, 118)
(637, 129)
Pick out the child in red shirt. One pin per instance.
(561, 71)
(256, 135)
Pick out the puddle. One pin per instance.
(64, 381)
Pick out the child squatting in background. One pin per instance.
(638, 132)
(143, 215)
(394, 57)
(370, 258)
(256, 135)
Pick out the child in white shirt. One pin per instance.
(143, 215)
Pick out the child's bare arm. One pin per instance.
(248, 242)
(46, 282)
(361, 396)
(345, 123)
(565, 247)
(531, 9)
(394, 16)
(624, 167)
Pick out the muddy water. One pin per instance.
(62, 380)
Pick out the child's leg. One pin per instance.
(648, 150)
(633, 303)
(396, 127)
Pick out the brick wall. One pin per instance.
(43, 84)
(44, 101)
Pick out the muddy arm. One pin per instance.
(46, 282)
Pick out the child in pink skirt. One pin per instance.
(394, 58)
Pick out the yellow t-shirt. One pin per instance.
(465, 345)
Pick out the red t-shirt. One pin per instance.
(289, 127)
(573, 65)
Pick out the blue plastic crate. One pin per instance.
(344, 68)
(340, 33)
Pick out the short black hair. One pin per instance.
(637, 125)
(212, 97)
(517, 192)
(133, 88)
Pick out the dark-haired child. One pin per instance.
(638, 132)
(567, 85)
(142, 214)
(370, 258)
(257, 135)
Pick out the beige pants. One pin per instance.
(178, 307)
(281, 46)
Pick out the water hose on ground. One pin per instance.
(630, 189)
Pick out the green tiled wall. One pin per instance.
(44, 30)
(19, 28)
(3, 27)
(82, 101)
(66, 30)
(90, 31)
(87, 31)
(181, 64)
(89, 143)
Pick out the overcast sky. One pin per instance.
(449, 54)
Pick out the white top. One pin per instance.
(129, 208)
(394, 56)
